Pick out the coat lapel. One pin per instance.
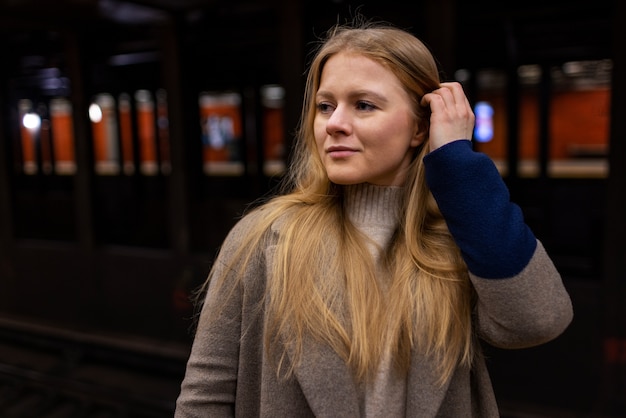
(424, 393)
(326, 382)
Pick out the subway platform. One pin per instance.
(51, 373)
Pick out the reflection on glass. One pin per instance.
(220, 120)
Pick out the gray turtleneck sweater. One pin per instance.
(374, 211)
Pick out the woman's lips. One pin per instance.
(340, 152)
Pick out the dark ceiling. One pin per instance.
(537, 28)
(470, 33)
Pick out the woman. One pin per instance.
(363, 289)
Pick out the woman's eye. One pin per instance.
(365, 106)
(324, 107)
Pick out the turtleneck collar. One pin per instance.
(372, 205)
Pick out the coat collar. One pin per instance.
(326, 382)
(331, 391)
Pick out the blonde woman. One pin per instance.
(365, 287)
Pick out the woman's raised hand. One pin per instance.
(451, 116)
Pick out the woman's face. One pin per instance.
(364, 126)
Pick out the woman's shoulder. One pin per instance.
(264, 218)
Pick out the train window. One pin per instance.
(46, 143)
(40, 136)
(222, 133)
(242, 145)
(131, 161)
(43, 199)
(113, 132)
(577, 119)
(491, 92)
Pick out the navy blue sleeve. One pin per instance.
(489, 229)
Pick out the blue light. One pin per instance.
(483, 130)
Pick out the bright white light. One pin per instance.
(31, 121)
(95, 113)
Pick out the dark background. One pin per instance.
(96, 271)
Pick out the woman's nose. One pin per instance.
(339, 122)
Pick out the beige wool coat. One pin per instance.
(228, 374)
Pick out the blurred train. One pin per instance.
(128, 149)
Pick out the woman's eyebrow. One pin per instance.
(322, 94)
(357, 94)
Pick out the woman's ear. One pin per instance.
(419, 137)
(422, 127)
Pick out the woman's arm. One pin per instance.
(526, 310)
(488, 228)
(521, 297)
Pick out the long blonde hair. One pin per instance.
(330, 292)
